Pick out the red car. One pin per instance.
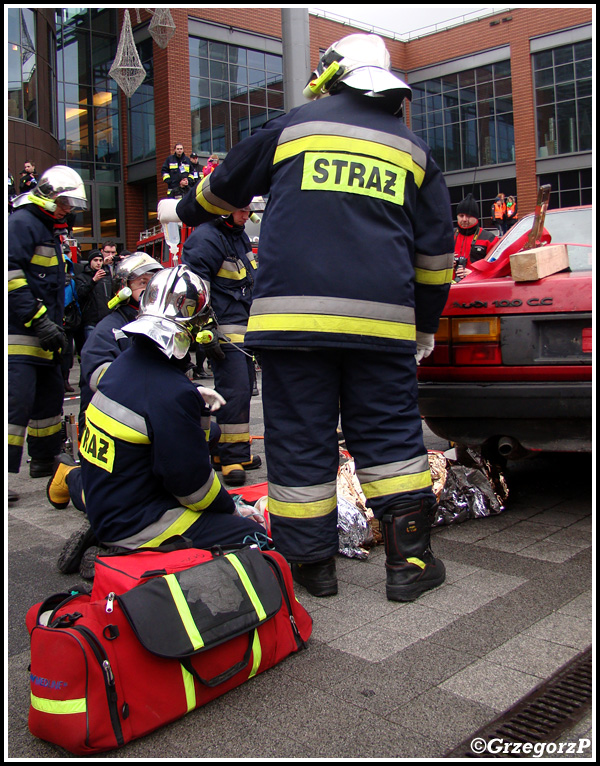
(511, 371)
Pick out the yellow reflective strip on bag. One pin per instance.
(184, 612)
(58, 707)
(256, 654)
(426, 277)
(189, 689)
(342, 325)
(397, 484)
(310, 510)
(248, 587)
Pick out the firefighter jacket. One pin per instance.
(473, 244)
(356, 246)
(174, 169)
(36, 280)
(221, 253)
(146, 470)
(104, 345)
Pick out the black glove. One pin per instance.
(213, 350)
(52, 337)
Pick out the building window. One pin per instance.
(234, 91)
(142, 136)
(563, 99)
(21, 61)
(570, 188)
(466, 117)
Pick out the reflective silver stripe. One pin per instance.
(308, 304)
(23, 340)
(97, 374)
(391, 470)
(45, 252)
(234, 428)
(199, 494)
(212, 199)
(120, 413)
(150, 532)
(311, 494)
(307, 129)
(14, 430)
(40, 424)
(235, 329)
(15, 274)
(229, 266)
(434, 262)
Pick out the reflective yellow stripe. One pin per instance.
(16, 441)
(14, 284)
(302, 510)
(21, 350)
(43, 260)
(425, 277)
(189, 689)
(248, 587)
(114, 427)
(58, 707)
(335, 324)
(183, 523)
(41, 432)
(204, 203)
(417, 562)
(234, 438)
(256, 654)
(233, 338)
(208, 497)
(325, 143)
(184, 612)
(397, 484)
(226, 274)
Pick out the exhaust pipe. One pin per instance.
(507, 446)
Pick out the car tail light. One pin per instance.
(475, 341)
(476, 353)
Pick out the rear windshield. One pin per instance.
(570, 227)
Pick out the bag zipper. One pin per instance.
(109, 679)
(300, 643)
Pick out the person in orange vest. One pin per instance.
(511, 212)
(499, 213)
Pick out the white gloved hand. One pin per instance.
(425, 344)
(166, 211)
(214, 400)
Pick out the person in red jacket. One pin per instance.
(470, 240)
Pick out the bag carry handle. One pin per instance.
(226, 674)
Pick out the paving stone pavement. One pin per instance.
(379, 679)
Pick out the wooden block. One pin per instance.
(529, 265)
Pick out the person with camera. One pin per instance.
(471, 242)
(94, 287)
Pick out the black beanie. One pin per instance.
(468, 206)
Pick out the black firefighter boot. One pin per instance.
(411, 568)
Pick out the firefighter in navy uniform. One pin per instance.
(470, 241)
(36, 291)
(145, 466)
(176, 167)
(355, 256)
(220, 252)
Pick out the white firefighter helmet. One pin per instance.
(173, 307)
(361, 62)
(131, 267)
(59, 182)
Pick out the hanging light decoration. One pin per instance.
(162, 27)
(127, 70)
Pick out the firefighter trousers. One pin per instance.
(35, 405)
(233, 376)
(305, 393)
